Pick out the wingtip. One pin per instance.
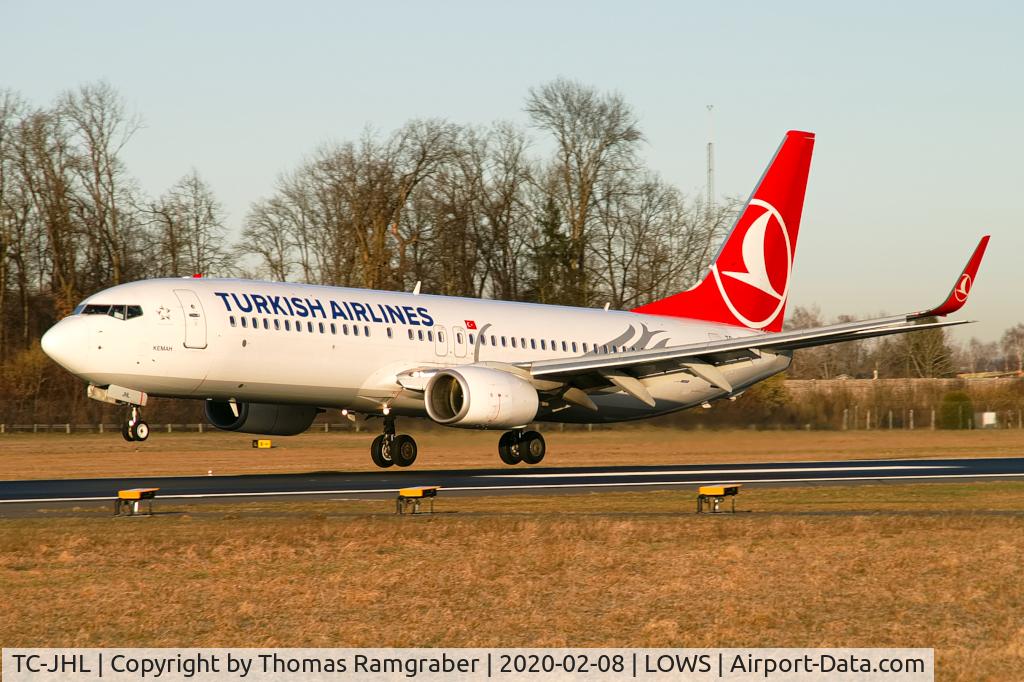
(962, 287)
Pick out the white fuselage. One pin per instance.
(343, 348)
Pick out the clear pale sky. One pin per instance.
(918, 107)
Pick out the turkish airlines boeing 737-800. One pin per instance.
(268, 356)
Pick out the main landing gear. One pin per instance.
(521, 446)
(133, 428)
(388, 449)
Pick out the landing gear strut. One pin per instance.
(388, 448)
(521, 446)
(133, 428)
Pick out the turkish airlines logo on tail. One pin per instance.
(766, 257)
(963, 288)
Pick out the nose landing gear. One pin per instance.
(388, 448)
(133, 428)
(521, 446)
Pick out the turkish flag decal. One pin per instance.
(470, 324)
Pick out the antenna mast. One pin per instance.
(711, 162)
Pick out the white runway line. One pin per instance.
(704, 472)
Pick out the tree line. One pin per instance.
(561, 210)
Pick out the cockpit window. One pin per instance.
(119, 312)
(78, 309)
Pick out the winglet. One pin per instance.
(961, 289)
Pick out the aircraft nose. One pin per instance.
(64, 342)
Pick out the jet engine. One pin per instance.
(480, 397)
(262, 418)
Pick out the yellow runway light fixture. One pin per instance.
(413, 497)
(714, 496)
(129, 502)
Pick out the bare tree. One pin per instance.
(596, 136)
(1013, 346)
(267, 234)
(14, 211)
(188, 230)
(43, 158)
(99, 128)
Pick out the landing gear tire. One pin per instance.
(139, 431)
(403, 450)
(508, 448)
(133, 428)
(532, 447)
(380, 452)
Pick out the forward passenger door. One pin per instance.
(195, 320)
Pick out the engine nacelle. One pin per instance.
(480, 397)
(262, 418)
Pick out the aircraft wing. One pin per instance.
(625, 368)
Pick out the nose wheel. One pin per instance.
(521, 446)
(389, 448)
(133, 428)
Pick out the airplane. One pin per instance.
(267, 357)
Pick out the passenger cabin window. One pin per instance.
(543, 344)
(334, 329)
(458, 338)
(513, 342)
(321, 327)
(410, 335)
(573, 346)
(231, 320)
(355, 330)
(390, 333)
(245, 323)
(366, 330)
(277, 325)
(471, 339)
(266, 323)
(585, 347)
(533, 344)
(564, 347)
(430, 335)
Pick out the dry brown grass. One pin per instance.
(941, 567)
(95, 455)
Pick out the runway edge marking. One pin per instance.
(523, 487)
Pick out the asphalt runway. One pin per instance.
(514, 480)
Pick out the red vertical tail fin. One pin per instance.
(748, 282)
